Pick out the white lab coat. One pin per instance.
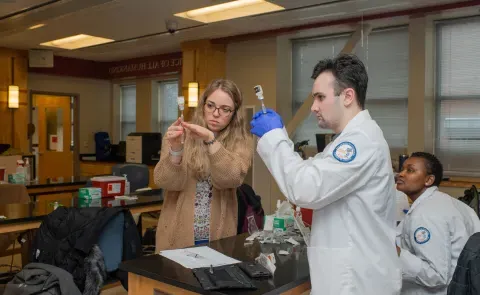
(434, 233)
(352, 246)
(402, 205)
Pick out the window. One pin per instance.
(457, 140)
(168, 106)
(127, 110)
(385, 55)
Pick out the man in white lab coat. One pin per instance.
(349, 185)
(435, 229)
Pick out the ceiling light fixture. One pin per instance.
(13, 90)
(230, 10)
(384, 6)
(193, 94)
(36, 26)
(77, 41)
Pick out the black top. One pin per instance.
(292, 270)
(60, 181)
(36, 211)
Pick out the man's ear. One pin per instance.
(349, 97)
(430, 180)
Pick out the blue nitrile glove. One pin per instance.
(263, 123)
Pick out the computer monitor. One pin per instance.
(321, 142)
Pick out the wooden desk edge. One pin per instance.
(54, 189)
(16, 227)
(140, 285)
(459, 184)
(146, 208)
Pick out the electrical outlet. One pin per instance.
(85, 144)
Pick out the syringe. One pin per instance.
(259, 92)
(181, 107)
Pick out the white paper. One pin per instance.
(268, 226)
(198, 257)
(292, 241)
(253, 236)
(126, 197)
(266, 262)
(305, 231)
(283, 252)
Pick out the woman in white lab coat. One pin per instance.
(434, 230)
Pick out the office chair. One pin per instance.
(137, 174)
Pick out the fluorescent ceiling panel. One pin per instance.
(230, 10)
(77, 41)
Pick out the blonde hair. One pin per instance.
(235, 137)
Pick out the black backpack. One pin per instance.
(249, 203)
(471, 199)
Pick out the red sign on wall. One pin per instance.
(136, 67)
(145, 66)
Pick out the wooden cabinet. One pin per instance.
(91, 168)
(95, 168)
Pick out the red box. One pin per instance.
(307, 216)
(111, 185)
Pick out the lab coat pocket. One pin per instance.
(330, 270)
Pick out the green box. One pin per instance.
(90, 193)
(279, 222)
(87, 203)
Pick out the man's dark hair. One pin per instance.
(433, 165)
(349, 72)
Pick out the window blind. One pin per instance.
(127, 110)
(457, 142)
(385, 55)
(168, 106)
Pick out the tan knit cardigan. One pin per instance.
(175, 226)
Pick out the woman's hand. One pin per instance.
(198, 132)
(174, 135)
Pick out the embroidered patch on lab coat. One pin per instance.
(345, 152)
(421, 235)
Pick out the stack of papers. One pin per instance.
(198, 257)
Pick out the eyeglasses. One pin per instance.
(223, 110)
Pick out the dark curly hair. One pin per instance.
(433, 165)
(349, 72)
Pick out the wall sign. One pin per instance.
(146, 66)
(136, 67)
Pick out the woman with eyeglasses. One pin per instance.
(201, 175)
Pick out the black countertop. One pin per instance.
(59, 181)
(292, 270)
(36, 211)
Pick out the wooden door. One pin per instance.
(55, 155)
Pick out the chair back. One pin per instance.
(137, 174)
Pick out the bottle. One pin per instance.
(298, 215)
(127, 185)
(20, 172)
(27, 170)
(278, 208)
